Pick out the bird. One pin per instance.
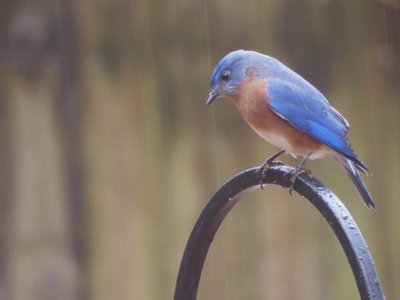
(288, 112)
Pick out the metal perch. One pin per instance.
(320, 196)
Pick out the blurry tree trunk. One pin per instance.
(41, 178)
(69, 117)
(6, 169)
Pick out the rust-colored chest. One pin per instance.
(252, 103)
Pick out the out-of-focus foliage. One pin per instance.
(108, 154)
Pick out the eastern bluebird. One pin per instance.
(287, 111)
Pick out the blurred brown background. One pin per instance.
(108, 154)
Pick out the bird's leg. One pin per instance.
(297, 171)
(269, 162)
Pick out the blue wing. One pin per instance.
(308, 110)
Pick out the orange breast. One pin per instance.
(253, 106)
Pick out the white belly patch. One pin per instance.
(277, 140)
(282, 142)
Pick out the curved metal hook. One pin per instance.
(320, 196)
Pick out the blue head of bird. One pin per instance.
(232, 70)
(227, 76)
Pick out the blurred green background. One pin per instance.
(108, 154)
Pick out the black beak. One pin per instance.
(211, 97)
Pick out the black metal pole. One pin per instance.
(321, 197)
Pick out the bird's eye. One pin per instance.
(225, 75)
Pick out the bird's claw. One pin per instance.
(293, 177)
(269, 162)
(263, 170)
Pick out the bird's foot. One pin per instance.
(263, 170)
(293, 177)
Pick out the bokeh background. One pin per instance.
(108, 154)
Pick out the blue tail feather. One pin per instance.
(351, 169)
